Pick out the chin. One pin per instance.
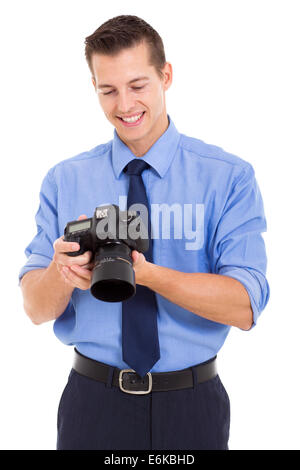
(131, 133)
(132, 138)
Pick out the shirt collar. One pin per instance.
(159, 156)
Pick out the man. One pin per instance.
(203, 273)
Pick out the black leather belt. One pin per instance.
(130, 382)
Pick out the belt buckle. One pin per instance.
(134, 392)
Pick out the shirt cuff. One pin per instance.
(251, 284)
(34, 261)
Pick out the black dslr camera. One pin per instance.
(111, 235)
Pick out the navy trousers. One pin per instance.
(97, 416)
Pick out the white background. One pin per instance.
(236, 85)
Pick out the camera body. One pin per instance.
(111, 235)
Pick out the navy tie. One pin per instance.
(140, 343)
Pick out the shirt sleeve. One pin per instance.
(40, 250)
(238, 248)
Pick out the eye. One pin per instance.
(134, 88)
(138, 87)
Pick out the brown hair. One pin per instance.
(122, 32)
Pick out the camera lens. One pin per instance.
(113, 278)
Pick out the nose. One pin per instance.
(125, 102)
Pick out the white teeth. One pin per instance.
(132, 119)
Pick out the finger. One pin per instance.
(75, 280)
(89, 265)
(68, 281)
(61, 246)
(82, 272)
(65, 260)
(80, 260)
(135, 256)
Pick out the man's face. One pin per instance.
(130, 88)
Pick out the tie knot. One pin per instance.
(136, 167)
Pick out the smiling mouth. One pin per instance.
(136, 118)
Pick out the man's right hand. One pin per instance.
(76, 270)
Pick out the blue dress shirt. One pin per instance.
(216, 229)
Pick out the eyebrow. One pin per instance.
(105, 85)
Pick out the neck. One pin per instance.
(140, 148)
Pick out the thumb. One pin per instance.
(82, 216)
(135, 256)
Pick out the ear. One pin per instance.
(94, 83)
(167, 75)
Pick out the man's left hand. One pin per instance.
(140, 266)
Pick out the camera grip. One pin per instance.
(76, 240)
(74, 253)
